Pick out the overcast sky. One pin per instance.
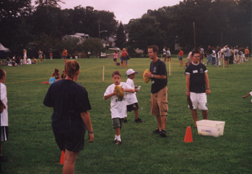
(124, 10)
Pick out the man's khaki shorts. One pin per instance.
(159, 103)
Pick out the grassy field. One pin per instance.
(33, 150)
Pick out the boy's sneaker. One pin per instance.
(156, 131)
(138, 120)
(118, 142)
(162, 133)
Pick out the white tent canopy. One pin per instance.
(2, 48)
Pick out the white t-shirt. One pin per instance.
(4, 114)
(213, 53)
(28, 61)
(168, 53)
(164, 51)
(131, 97)
(118, 107)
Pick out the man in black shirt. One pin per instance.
(159, 90)
(197, 86)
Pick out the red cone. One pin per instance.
(188, 135)
(62, 158)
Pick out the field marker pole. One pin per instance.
(169, 68)
(223, 62)
(103, 73)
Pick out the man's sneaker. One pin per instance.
(162, 133)
(138, 120)
(3, 159)
(118, 142)
(156, 131)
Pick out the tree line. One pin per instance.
(217, 22)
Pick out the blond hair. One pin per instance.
(71, 67)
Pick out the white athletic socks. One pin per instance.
(118, 138)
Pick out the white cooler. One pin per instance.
(210, 127)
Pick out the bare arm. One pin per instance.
(148, 75)
(109, 95)
(187, 84)
(246, 95)
(87, 121)
(129, 90)
(207, 84)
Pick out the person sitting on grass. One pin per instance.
(28, 61)
(132, 103)
(34, 60)
(56, 74)
(63, 75)
(117, 105)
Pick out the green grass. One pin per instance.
(33, 150)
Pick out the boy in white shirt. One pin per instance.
(4, 115)
(117, 106)
(132, 103)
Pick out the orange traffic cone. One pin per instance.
(62, 158)
(188, 135)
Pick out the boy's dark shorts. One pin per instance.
(71, 139)
(132, 107)
(226, 58)
(117, 122)
(114, 59)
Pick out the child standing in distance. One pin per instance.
(115, 56)
(117, 105)
(131, 99)
(180, 54)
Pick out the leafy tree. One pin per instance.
(51, 3)
(145, 32)
(92, 45)
(120, 36)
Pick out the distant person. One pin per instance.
(123, 57)
(4, 113)
(63, 75)
(131, 99)
(70, 118)
(24, 56)
(246, 54)
(197, 86)
(64, 54)
(115, 56)
(56, 74)
(118, 107)
(159, 90)
(28, 62)
(164, 53)
(34, 60)
(180, 54)
(209, 55)
(226, 55)
(51, 55)
(168, 54)
(40, 53)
